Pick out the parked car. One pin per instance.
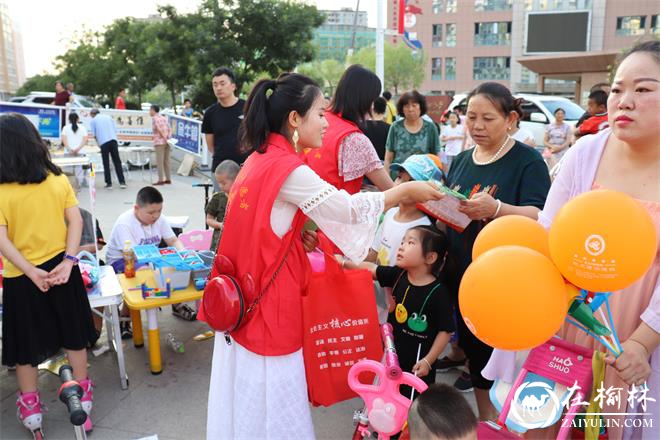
(49, 97)
(538, 111)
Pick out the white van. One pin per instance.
(48, 97)
(538, 111)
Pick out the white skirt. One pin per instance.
(257, 397)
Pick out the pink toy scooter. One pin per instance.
(386, 410)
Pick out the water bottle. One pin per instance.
(129, 260)
(175, 344)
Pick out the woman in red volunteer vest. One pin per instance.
(347, 155)
(258, 387)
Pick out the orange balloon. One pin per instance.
(512, 230)
(513, 298)
(603, 240)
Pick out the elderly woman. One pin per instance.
(557, 138)
(412, 134)
(624, 158)
(500, 176)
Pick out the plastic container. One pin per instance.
(175, 344)
(207, 257)
(179, 279)
(129, 260)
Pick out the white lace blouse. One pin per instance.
(350, 221)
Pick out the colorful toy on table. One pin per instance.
(155, 292)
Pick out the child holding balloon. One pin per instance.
(422, 318)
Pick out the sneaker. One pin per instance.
(108, 187)
(463, 383)
(126, 332)
(87, 402)
(183, 311)
(445, 364)
(122, 185)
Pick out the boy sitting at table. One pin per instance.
(143, 224)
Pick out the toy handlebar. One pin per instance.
(393, 369)
(70, 394)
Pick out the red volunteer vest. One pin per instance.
(325, 160)
(274, 327)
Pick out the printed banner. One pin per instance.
(46, 118)
(186, 134)
(131, 125)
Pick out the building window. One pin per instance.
(557, 5)
(450, 68)
(450, 34)
(437, 6)
(655, 24)
(631, 25)
(436, 36)
(492, 5)
(492, 33)
(489, 68)
(450, 93)
(436, 69)
(527, 76)
(452, 6)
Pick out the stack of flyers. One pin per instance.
(446, 209)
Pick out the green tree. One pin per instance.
(327, 73)
(167, 57)
(251, 37)
(128, 39)
(90, 67)
(43, 83)
(404, 68)
(312, 70)
(331, 70)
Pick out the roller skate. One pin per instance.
(86, 401)
(29, 413)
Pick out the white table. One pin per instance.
(108, 293)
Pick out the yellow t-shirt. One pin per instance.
(34, 217)
(390, 113)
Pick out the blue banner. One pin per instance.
(187, 133)
(46, 118)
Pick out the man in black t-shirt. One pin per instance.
(222, 119)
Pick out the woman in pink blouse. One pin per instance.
(624, 158)
(347, 154)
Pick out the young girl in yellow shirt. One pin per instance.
(45, 305)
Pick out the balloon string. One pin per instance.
(615, 336)
(604, 342)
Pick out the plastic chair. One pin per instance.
(197, 240)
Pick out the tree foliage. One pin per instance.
(180, 50)
(404, 68)
(327, 73)
(41, 83)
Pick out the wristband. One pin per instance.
(71, 258)
(427, 363)
(499, 206)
